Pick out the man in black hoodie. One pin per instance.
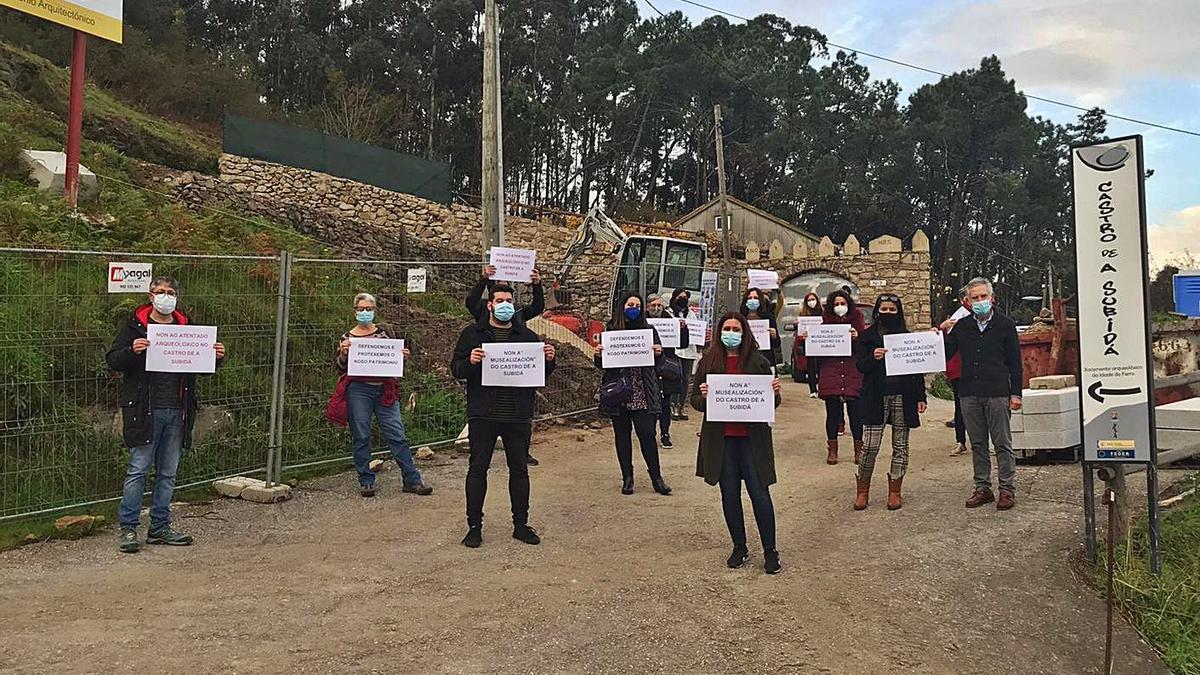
(158, 411)
(504, 412)
(990, 390)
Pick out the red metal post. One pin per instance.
(75, 116)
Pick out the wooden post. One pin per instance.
(727, 267)
(75, 116)
(493, 168)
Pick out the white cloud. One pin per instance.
(1176, 239)
(1090, 50)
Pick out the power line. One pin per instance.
(931, 71)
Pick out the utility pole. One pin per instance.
(493, 162)
(727, 268)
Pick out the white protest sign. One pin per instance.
(915, 353)
(513, 264)
(181, 349)
(831, 339)
(375, 357)
(804, 323)
(627, 348)
(126, 277)
(668, 331)
(960, 314)
(697, 332)
(762, 333)
(762, 279)
(740, 398)
(514, 364)
(417, 277)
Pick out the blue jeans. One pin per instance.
(363, 402)
(738, 467)
(163, 451)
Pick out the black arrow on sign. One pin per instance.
(1097, 393)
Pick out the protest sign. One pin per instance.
(181, 349)
(914, 353)
(125, 277)
(708, 295)
(375, 357)
(417, 277)
(765, 280)
(514, 364)
(740, 398)
(803, 323)
(668, 331)
(627, 348)
(513, 264)
(697, 332)
(762, 333)
(829, 340)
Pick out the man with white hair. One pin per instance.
(990, 390)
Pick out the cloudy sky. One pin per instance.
(1138, 59)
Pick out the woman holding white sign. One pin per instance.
(371, 397)
(756, 305)
(632, 398)
(671, 381)
(898, 400)
(839, 381)
(731, 453)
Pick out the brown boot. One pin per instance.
(858, 451)
(833, 448)
(862, 494)
(1007, 501)
(894, 500)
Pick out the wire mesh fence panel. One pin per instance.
(60, 429)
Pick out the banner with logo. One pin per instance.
(102, 18)
(126, 277)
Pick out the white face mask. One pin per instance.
(812, 304)
(164, 304)
(841, 310)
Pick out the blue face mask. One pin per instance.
(731, 339)
(982, 307)
(752, 304)
(632, 313)
(365, 316)
(503, 311)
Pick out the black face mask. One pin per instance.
(891, 321)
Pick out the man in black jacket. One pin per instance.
(504, 412)
(158, 411)
(990, 390)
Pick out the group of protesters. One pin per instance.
(159, 408)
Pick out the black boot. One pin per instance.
(627, 485)
(660, 486)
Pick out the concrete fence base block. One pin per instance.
(252, 489)
(1018, 422)
(1047, 440)
(1052, 382)
(1050, 423)
(1048, 401)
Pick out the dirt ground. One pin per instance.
(330, 582)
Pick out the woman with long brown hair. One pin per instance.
(839, 380)
(734, 452)
(804, 368)
(756, 305)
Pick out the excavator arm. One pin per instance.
(596, 226)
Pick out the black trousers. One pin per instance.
(834, 417)
(960, 427)
(738, 467)
(814, 370)
(623, 427)
(482, 436)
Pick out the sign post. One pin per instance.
(102, 18)
(1116, 373)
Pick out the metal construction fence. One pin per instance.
(262, 412)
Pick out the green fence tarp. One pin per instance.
(341, 157)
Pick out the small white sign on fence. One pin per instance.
(127, 277)
(417, 278)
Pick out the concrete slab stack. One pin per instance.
(1178, 424)
(1048, 420)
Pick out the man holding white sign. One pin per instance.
(493, 412)
(158, 411)
(370, 360)
(892, 393)
(673, 334)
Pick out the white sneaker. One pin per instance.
(813, 395)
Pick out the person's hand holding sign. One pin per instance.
(140, 345)
(535, 277)
(775, 385)
(704, 389)
(853, 333)
(880, 352)
(658, 350)
(549, 349)
(921, 408)
(488, 271)
(220, 349)
(477, 356)
(407, 353)
(1014, 403)
(344, 347)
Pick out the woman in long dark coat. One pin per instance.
(734, 452)
(898, 400)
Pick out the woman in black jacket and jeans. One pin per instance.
(641, 411)
(898, 400)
